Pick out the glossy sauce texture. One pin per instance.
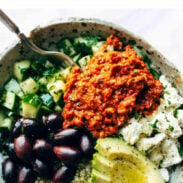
(112, 88)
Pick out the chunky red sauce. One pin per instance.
(113, 87)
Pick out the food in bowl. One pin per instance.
(117, 119)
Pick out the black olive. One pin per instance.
(16, 130)
(33, 128)
(63, 175)
(9, 148)
(43, 149)
(68, 155)
(42, 168)
(26, 175)
(53, 121)
(23, 148)
(8, 170)
(87, 145)
(67, 136)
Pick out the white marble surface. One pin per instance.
(163, 28)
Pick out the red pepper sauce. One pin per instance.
(113, 87)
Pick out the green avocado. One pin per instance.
(122, 163)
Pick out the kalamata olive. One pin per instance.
(16, 130)
(32, 127)
(68, 155)
(8, 170)
(23, 148)
(86, 145)
(63, 175)
(26, 175)
(9, 148)
(42, 168)
(53, 121)
(67, 136)
(42, 149)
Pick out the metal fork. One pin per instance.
(53, 55)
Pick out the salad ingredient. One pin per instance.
(68, 155)
(10, 150)
(23, 148)
(53, 121)
(16, 130)
(26, 175)
(20, 69)
(42, 168)
(67, 136)
(32, 128)
(43, 149)
(86, 145)
(115, 161)
(8, 170)
(63, 174)
(112, 88)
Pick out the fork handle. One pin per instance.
(9, 23)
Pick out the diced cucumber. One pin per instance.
(57, 108)
(76, 57)
(20, 68)
(48, 64)
(84, 61)
(47, 99)
(44, 110)
(66, 46)
(13, 86)
(29, 86)
(65, 72)
(56, 89)
(31, 105)
(43, 80)
(5, 122)
(9, 100)
(84, 44)
(96, 48)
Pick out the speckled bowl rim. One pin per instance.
(89, 20)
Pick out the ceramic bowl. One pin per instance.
(46, 35)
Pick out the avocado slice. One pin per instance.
(123, 163)
(113, 169)
(99, 178)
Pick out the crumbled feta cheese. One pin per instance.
(131, 133)
(177, 176)
(171, 96)
(156, 155)
(165, 174)
(168, 124)
(180, 117)
(148, 144)
(170, 153)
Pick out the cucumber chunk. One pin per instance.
(31, 105)
(44, 110)
(29, 86)
(47, 99)
(56, 89)
(57, 108)
(65, 72)
(13, 86)
(20, 69)
(5, 122)
(77, 57)
(84, 61)
(9, 100)
(66, 46)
